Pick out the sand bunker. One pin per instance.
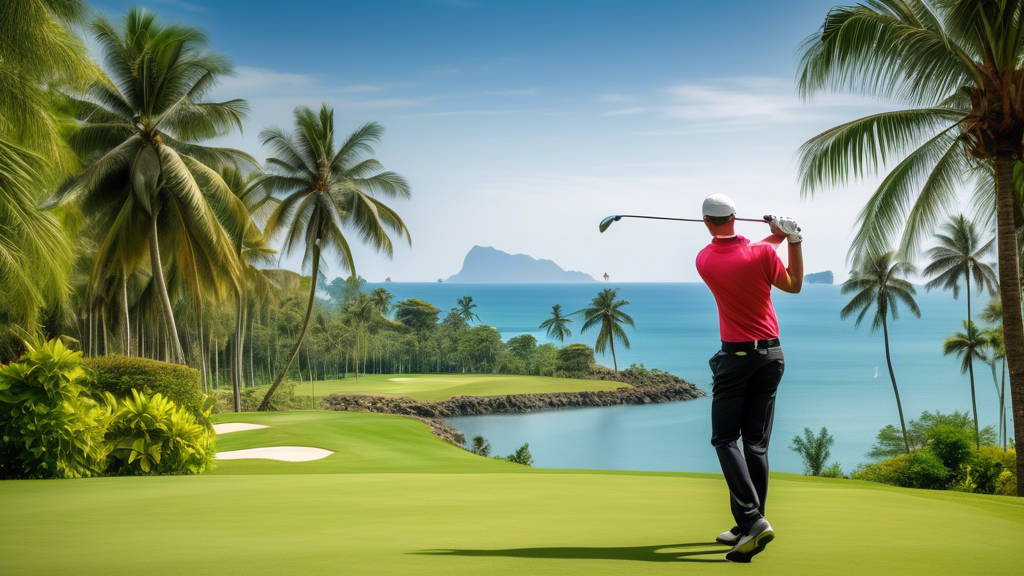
(282, 453)
(235, 427)
(399, 379)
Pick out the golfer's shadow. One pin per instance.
(664, 553)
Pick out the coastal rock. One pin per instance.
(674, 389)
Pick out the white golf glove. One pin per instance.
(788, 227)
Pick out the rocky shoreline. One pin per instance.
(665, 388)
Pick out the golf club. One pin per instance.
(608, 221)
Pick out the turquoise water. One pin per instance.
(830, 374)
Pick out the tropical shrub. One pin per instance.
(954, 446)
(283, 399)
(890, 439)
(119, 375)
(833, 471)
(149, 434)
(990, 470)
(521, 456)
(49, 425)
(575, 360)
(814, 450)
(481, 446)
(919, 469)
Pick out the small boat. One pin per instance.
(876, 371)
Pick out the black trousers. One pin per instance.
(743, 406)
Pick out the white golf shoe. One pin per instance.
(730, 537)
(752, 544)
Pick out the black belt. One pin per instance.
(733, 347)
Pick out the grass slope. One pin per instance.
(488, 518)
(444, 386)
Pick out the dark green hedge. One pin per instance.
(576, 359)
(120, 374)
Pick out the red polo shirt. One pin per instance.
(740, 275)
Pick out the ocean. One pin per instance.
(830, 379)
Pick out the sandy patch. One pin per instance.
(282, 453)
(235, 427)
(399, 379)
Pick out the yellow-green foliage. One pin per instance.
(151, 435)
(919, 469)
(992, 471)
(119, 375)
(49, 426)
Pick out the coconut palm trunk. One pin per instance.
(970, 367)
(895, 389)
(161, 284)
(302, 331)
(1009, 288)
(615, 362)
(126, 329)
(236, 360)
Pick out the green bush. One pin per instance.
(952, 444)
(284, 398)
(149, 434)
(575, 360)
(119, 375)
(833, 471)
(814, 450)
(521, 456)
(919, 469)
(49, 426)
(989, 470)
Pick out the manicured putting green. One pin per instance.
(444, 386)
(479, 519)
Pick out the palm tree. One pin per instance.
(968, 346)
(38, 54)
(877, 284)
(956, 67)
(382, 300)
(958, 255)
(604, 311)
(147, 178)
(466, 307)
(360, 310)
(995, 351)
(238, 213)
(557, 326)
(325, 190)
(993, 314)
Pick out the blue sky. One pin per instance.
(521, 124)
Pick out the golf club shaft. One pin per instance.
(683, 219)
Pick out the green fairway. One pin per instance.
(455, 513)
(433, 387)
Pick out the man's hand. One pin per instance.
(784, 226)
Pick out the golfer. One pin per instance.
(748, 368)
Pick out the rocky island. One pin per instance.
(484, 264)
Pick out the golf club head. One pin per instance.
(608, 222)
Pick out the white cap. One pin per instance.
(719, 205)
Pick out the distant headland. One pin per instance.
(485, 264)
(820, 278)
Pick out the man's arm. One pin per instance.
(794, 279)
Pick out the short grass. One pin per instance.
(434, 387)
(450, 513)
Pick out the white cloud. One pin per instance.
(747, 101)
(255, 79)
(615, 98)
(625, 111)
